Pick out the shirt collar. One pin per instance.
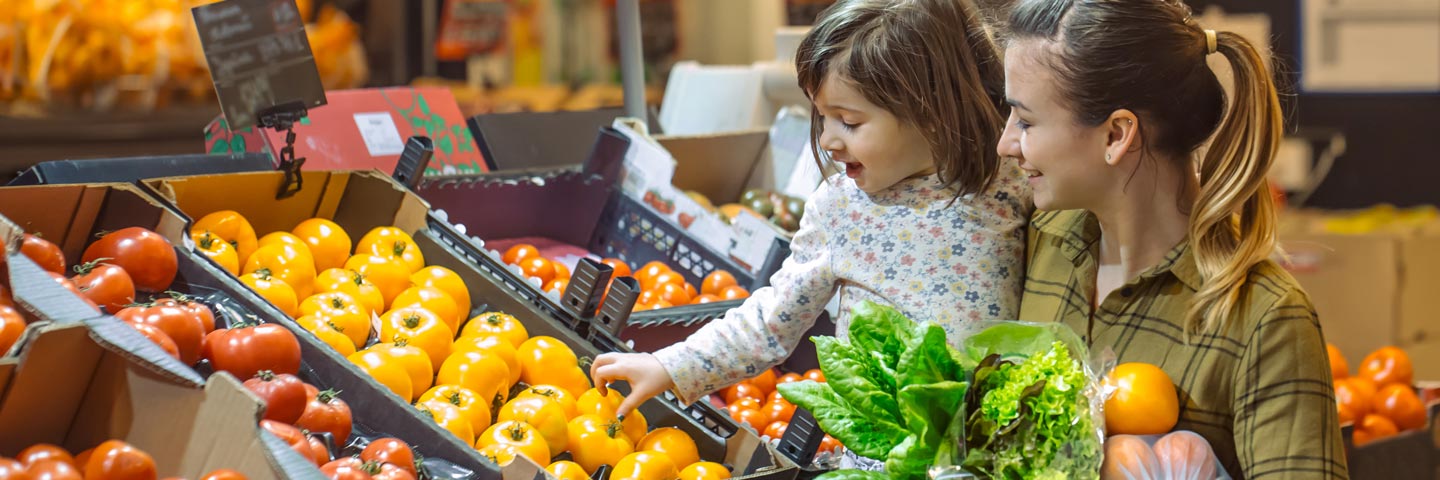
(1080, 231)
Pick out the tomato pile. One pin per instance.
(112, 459)
(755, 402)
(1379, 399)
(483, 379)
(660, 286)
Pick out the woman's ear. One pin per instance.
(1122, 135)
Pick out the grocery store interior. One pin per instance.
(363, 238)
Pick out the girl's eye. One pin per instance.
(849, 126)
(1022, 124)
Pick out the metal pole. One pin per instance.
(632, 69)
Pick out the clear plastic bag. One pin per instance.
(1034, 408)
(1180, 455)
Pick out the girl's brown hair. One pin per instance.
(1148, 56)
(931, 63)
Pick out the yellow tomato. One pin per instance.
(353, 283)
(543, 358)
(297, 246)
(493, 345)
(646, 466)
(329, 243)
(421, 329)
(672, 442)
(232, 227)
(273, 289)
(448, 281)
(222, 252)
(414, 360)
(388, 276)
(501, 453)
(546, 416)
(449, 418)
(387, 373)
(327, 332)
(466, 399)
(523, 436)
(572, 379)
(560, 396)
(705, 471)
(567, 470)
(391, 242)
(286, 263)
(592, 402)
(341, 309)
(433, 299)
(485, 374)
(595, 441)
(495, 323)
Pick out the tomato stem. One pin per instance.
(401, 341)
(612, 429)
(412, 321)
(335, 327)
(263, 274)
(336, 302)
(399, 248)
(265, 375)
(327, 396)
(516, 432)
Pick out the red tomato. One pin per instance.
(246, 350)
(776, 429)
(318, 451)
(115, 459)
(284, 395)
(347, 468)
(11, 326)
(392, 451)
(69, 285)
(148, 257)
(105, 284)
(224, 474)
(392, 472)
(294, 437)
(43, 253)
(182, 327)
(157, 336)
(199, 310)
(326, 412)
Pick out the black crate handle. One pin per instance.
(411, 166)
(802, 438)
(619, 302)
(582, 296)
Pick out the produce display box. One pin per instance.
(78, 384)
(92, 208)
(652, 330)
(1409, 455)
(134, 168)
(359, 201)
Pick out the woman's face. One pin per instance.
(1064, 159)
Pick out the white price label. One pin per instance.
(753, 238)
(379, 132)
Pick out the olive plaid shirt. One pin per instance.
(1258, 389)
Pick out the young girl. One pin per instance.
(925, 217)
(1112, 101)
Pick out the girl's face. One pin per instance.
(874, 147)
(1064, 159)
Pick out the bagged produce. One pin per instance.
(1181, 455)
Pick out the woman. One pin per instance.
(1111, 103)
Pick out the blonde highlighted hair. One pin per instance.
(1148, 56)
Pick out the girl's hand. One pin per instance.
(646, 376)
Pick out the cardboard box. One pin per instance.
(1354, 283)
(716, 165)
(1419, 306)
(366, 129)
(77, 385)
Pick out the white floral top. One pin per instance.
(908, 246)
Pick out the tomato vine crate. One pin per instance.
(361, 202)
(77, 385)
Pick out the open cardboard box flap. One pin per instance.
(79, 384)
(354, 199)
(719, 165)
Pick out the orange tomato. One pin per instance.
(647, 297)
(815, 375)
(231, 227)
(756, 419)
(716, 282)
(734, 292)
(448, 281)
(392, 243)
(705, 471)
(1353, 398)
(387, 373)
(765, 380)
(787, 378)
(546, 416)
(329, 244)
(436, 301)
(521, 435)
(562, 272)
(421, 329)
(485, 374)
(1372, 428)
(776, 429)
(222, 252)
(649, 272)
(469, 403)
(619, 267)
(539, 268)
(829, 444)
(493, 345)
(329, 333)
(742, 390)
(1144, 402)
(663, 278)
(746, 403)
(672, 442)
(567, 470)
(642, 465)
(673, 294)
(704, 298)
(415, 361)
(273, 289)
(779, 411)
(450, 418)
(1400, 404)
(342, 310)
(558, 286)
(287, 263)
(1386, 366)
(353, 283)
(499, 324)
(1339, 368)
(519, 252)
(389, 277)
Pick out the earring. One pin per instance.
(1107, 157)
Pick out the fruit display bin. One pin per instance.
(359, 201)
(1412, 454)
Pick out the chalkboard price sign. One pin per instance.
(259, 57)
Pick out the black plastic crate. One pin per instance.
(1408, 455)
(129, 169)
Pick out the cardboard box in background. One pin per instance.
(718, 166)
(1420, 302)
(366, 129)
(78, 384)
